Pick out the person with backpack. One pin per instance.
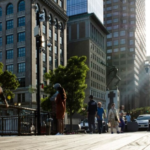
(91, 110)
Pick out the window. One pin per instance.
(21, 82)
(108, 57)
(56, 62)
(115, 7)
(44, 57)
(61, 53)
(124, 8)
(131, 42)
(0, 11)
(131, 9)
(9, 9)
(131, 34)
(109, 43)
(109, 21)
(131, 49)
(21, 36)
(44, 29)
(109, 28)
(56, 51)
(60, 40)
(122, 49)
(109, 51)
(50, 33)
(9, 39)
(0, 55)
(55, 23)
(21, 21)
(9, 24)
(9, 54)
(109, 36)
(115, 34)
(124, 14)
(116, 42)
(116, 13)
(124, 21)
(115, 20)
(44, 70)
(21, 67)
(0, 26)
(122, 41)
(132, 22)
(10, 68)
(21, 6)
(61, 3)
(122, 33)
(55, 36)
(108, 15)
(108, 8)
(21, 52)
(116, 50)
(50, 60)
(115, 27)
(21, 98)
(0, 41)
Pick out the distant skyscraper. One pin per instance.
(75, 7)
(126, 46)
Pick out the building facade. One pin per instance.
(75, 7)
(87, 36)
(126, 46)
(18, 44)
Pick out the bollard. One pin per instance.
(148, 125)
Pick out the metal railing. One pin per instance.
(23, 122)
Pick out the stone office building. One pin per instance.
(87, 36)
(18, 44)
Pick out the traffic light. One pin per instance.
(39, 41)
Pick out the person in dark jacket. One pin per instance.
(91, 110)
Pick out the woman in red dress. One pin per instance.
(60, 109)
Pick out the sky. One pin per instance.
(148, 27)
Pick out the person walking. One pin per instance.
(128, 117)
(121, 114)
(113, 118)
(100, 112)
(60, 109)
(91, 110)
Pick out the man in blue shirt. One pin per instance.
(100, 112)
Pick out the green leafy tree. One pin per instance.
(8, 82)
(72, 78)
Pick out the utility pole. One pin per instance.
(38, 46)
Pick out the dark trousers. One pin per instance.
(100, 126)
(91, 121)
(122, 124)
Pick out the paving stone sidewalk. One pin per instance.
(126, 141)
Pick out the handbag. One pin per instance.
(116, 119)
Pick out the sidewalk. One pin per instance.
(126, 141)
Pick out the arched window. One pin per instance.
(61, 27)
(56, 23)
(9, 9)
(0, 11)
(50, 19)
(21, 6)
(37, 8)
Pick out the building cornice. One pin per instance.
(55, 8)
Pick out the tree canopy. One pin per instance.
(8, 82)
(72, 78)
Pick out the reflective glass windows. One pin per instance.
(9, 39)
(0, 26)
(116, 42)
(122, 33)
(122, 41)
(9, 9)
(0, 11)
(115, 34)
(0, 41)
(21, 82)
(10, 68)
(21, 67)
(9, 24)
(21, 52)
(0, 55)
(21, 36)
(21, 6)
(21, 21)
(9, 54)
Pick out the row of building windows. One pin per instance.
(97, 94)
(117, 6)
(98, 68)
(98, 77)
(10, 38)
(131, 2)
(60, 2)
(10, 9)
(20, 67)
(119, 20)
(116, 14)
(97, 86)
(10, 53)
(122, 41)
(121, 33)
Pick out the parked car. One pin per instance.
(84, 125)
(143, 121)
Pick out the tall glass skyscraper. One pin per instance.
(75, 7)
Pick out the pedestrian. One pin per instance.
(92, 109)
(121, 114)
(113, 118)
(60, 109)
(2, 97)
(100, 112)
(128, 117)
